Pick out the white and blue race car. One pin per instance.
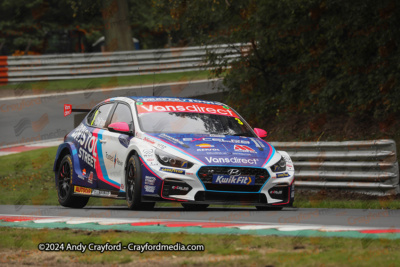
(152, 149)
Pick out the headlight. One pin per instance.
(280, 166)
(167, 159)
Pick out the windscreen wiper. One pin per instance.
(241, 134)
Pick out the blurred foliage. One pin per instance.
(304, 57)
(33, 25)
(26, 25)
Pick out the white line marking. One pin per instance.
(290, 228)
(255, 227)
(49, 144)
(107, 90)
(7, 153)
(57, 220)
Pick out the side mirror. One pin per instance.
(260, 132)
(121, 127)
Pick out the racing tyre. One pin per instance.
(268, 208)
(65, 188)
(188, 206)
(133, 182)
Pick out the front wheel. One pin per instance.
(65, 188)
(133, 182)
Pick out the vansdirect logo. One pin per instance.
(185, 107)
(234, 160)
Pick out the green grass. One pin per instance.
(342, 200)
(380, 203)
(19, 246)
(27, 178)
(107, 82)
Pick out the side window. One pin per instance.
(98, 117)
(123, 114)
(91, 116)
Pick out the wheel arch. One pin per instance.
(63, 150)
(137, 203)
(131, 153)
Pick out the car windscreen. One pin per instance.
(208, 119)
(192, 123)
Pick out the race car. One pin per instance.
(153, 149)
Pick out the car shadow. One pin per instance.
(181, 209)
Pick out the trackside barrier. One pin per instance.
(15, 69)
(364, 166)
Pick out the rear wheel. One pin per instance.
(188, 206)
(65, 188)
(268, 208)
(133, 182)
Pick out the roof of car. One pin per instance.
(172, 99)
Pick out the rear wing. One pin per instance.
(68, 110)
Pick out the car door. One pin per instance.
(115, 146)
(96, 123)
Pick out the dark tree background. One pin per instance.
(306, 56)
(43, 26)
(303, 56)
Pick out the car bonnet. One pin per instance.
(220, 149)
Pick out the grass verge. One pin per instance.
(20, 246)
(107, 82)
(27, 178)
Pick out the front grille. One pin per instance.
(206, 173)
(241, 198)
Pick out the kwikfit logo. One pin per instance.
(232, 180)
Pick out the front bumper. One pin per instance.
(197, 185)
(176, 190)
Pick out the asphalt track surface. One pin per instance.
(34, 118)
(327, 217)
